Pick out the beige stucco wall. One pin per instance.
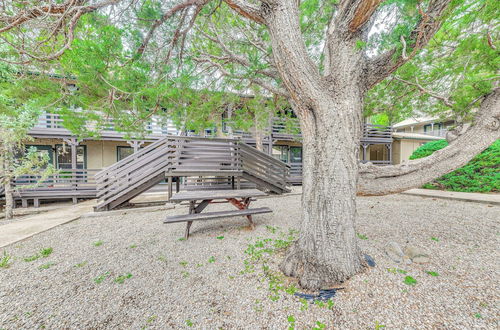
(396, 152)
(407, 147)
(100, 154)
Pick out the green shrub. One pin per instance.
(481, 174)
(428, 148)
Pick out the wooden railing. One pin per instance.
(50, 122)
(376, 133)
(286, 128)
(282, 128)
(264, 167)
(439, 133)
(66, 184)
(140, 168)
(295, 173)
(194, 154)
(65, 179)
(181, 156)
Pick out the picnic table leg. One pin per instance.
(189, 223)
(195, 209)
(243, 205)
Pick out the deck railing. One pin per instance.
(282, 128)
(376, 133)
(65, 179)
(438, 133)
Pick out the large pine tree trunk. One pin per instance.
(329, 108)
(326, 251)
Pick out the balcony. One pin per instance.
(376, 134)
(51, 125)
(439, 133)
(285, 129)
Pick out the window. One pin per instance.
(281, 153)
(63, 157)
(295, 155)
(45, 150)
(122, 152)
(429, 127)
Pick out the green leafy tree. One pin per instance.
(18, 114)
(15, 160)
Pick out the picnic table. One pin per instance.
(199, 200)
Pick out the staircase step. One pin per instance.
(215, 215)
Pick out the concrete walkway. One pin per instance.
(37, 223)
(493, 199)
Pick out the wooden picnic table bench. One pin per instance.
(240, 198)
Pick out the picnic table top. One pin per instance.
(215, 194)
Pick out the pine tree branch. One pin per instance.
(383, 65)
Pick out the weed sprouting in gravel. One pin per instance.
(435, 239)
(409, 280)
(258, 306)
(291, 322)
(183, 263)
(162, 259)
(361, 236)
(271, 229)
(220, 237)
(47, 265)
(181, 239)
(81, 264)
(133, 246)
(185, 274)
(319, 326)
(98, 243)
(32, 258)
(99, 279)
(189, 323)
(46, 252)
(121, 279)
(211, 260)
(478, 316)
(378, 325)
(5, 260)
(397, 270)
(433, 273)
(304, 304)
(259, 254)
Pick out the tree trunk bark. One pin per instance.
(259, 139)
(9, 201)
(326, 251)
(329, 109)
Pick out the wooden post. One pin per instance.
(73, 143)
(389, 151)
(136, 144)
(365, 146)
(270, 145)
(169, 187)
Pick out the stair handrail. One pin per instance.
(130, 158)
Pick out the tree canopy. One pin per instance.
(187, 59)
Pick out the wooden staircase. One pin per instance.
(189, 157)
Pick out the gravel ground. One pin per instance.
(197, 283)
